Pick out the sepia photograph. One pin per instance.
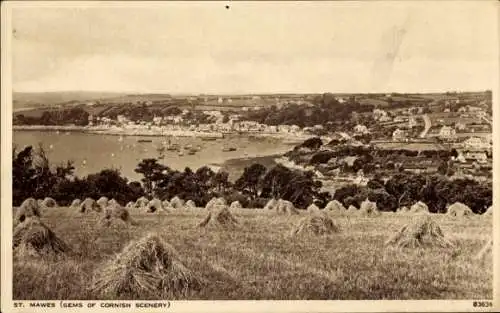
(227, 150)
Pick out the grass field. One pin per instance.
(261, 260)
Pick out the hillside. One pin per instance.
(24, 100)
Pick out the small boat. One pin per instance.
(188, 146)
(120, 139)
(192, 151)
(181, 153)
(227, 149)
(173, 147)
(144, 140)
(209, 138)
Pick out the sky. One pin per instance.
(255, 47)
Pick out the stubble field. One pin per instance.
(261, 259)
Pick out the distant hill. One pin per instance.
(25, 100)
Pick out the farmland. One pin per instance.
(262, 260)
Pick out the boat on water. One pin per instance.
(209, 138)
(173, 147)
(181, 153)
(160, 149)
(144, 140)
(227, 149)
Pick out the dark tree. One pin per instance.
(250, 180)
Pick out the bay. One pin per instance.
(91, 153)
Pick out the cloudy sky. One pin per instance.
(255, 47)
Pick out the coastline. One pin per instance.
(292, 138)
(236, 166)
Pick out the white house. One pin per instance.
(272, 129)
(479, 157)
(460, 126)
(473, 108)
(378, 114)
(476, 143)
(157, 120)
(294, 128)
(412, 122)
(447, 132)
(399, 135)
(361, 129)
(385, 119)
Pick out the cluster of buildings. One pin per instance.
(218, 123)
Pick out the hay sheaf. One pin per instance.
(316, 224)
(29, 208)
(271, 204)
(214, 202)
(89, 205)
(177, 203)
(403, 210)
(489, 211)
(459, 209)
(368, 208)
(146, 266)
(155, 206)
(313, 208)
(141, 202)
(102, 202)
(219, 217)
(49, 203)
(190, 204)
(75, 204)
(419, 208)
(286, 207)
(235, 205)
(33, 238)
(352, 210)
(335, 206)
(166, 204)
(420, 232)
(116, 215)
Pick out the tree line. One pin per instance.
(76, 116)
(325, 110)
(405, 189)
(34, 176)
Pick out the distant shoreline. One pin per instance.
(155, 133)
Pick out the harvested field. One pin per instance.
(259, 260)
